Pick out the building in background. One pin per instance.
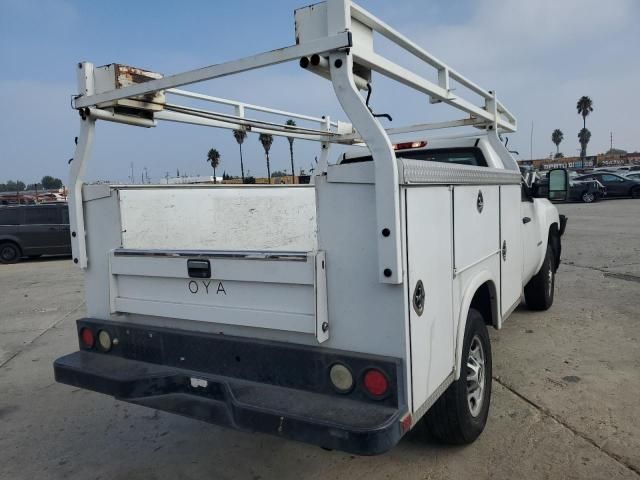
(576, 163)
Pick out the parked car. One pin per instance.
(34, 230)
(617, 185)
(633, 175)
(587, 191)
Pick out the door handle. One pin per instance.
(199, 268)
(526, 220)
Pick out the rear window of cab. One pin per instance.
(472, 156)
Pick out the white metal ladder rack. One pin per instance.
(338, 36)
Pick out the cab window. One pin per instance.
(455, 156)
(612, 178)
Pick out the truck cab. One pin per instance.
(342, 313)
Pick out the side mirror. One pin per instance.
(558, 185)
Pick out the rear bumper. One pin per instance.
(328, 420)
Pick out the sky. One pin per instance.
(539, 56)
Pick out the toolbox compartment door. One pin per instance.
(281, 291)
(429, 262)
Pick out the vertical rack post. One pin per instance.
(373, 134)
(78, 168)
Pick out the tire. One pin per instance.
(9, 253)
(635, 192)
(588, 197)
(538, 293)
(458, 417)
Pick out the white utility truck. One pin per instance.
(342, 313)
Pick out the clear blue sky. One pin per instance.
(539, 56)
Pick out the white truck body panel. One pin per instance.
(254, 218)
(286, 298)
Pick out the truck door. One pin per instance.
(531, 240)
(429, 260)
(511, 223)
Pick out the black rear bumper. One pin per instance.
(330, 420)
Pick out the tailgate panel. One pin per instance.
(281, 291)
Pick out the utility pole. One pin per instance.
(611, 139)
(531, 143)
(133, 180)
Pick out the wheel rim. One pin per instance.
(475, 376)
(7, 253)
(588, 197)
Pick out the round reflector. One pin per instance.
(86, 337)
(341, 378)
(376, 382)
(104, 340)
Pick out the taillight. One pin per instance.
(376, 383)
(341, 378)
(104, 340)
(407, 145)
(86, 337)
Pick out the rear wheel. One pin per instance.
(588, 197)
(9, 253)
(538, 293)
(460, 414)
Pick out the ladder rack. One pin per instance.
(334, 39)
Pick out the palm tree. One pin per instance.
(584, 107)
(266, 140)
(291, 123)
(556, 137)
(240, 135)
(213, 157)
(583, 137)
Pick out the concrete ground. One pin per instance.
(565, 404)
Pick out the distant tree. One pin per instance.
(616, 151)
(583, 137)
(584, 107)
(278, 173)
(213, 157)
(559, 155)
(240, 135)
(14, 186)
(556, 137)
(250, 180)
(291, 123)
(51, 183)
(266, 140)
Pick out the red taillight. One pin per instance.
(407, 145)
(376, 382)
(86, 337)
